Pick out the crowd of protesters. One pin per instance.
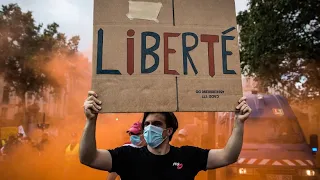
(14, 142)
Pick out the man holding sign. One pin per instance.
(160, 57)
(158, 160)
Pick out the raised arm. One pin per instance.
(230, 153)
(89, 154)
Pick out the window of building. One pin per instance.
(5, 95)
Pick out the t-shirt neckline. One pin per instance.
(159, 155)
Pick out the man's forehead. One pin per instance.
(155, 117)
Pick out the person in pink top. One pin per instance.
(136, 140)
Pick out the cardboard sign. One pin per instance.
(166, 55)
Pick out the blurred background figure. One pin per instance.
(71, 161)
(43, 143)
(72, 150)
(20, 137)
(8, 149)
(182, 139)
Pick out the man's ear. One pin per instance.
(169, 132)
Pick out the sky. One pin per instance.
(75, 17)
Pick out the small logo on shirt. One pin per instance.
(179, 165)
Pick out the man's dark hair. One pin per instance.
(170, 119)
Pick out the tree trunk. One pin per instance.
(25, 121)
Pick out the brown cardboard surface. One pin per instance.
(114, 12)
(218, 13)
(126, 94)
(134, 91)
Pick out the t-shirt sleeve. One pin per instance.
(120, 158)
(198, 157)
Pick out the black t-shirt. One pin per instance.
(182, 163)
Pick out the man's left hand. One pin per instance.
(242, 110)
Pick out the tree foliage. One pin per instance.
(27, 49)
(280, 45)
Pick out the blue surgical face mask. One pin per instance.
(153, 135)
(135, 139)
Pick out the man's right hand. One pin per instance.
(92, 106)
(89, 154)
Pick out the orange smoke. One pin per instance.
(74, 74)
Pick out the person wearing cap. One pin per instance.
(158, 160)
(135, 133)
(136, 140)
